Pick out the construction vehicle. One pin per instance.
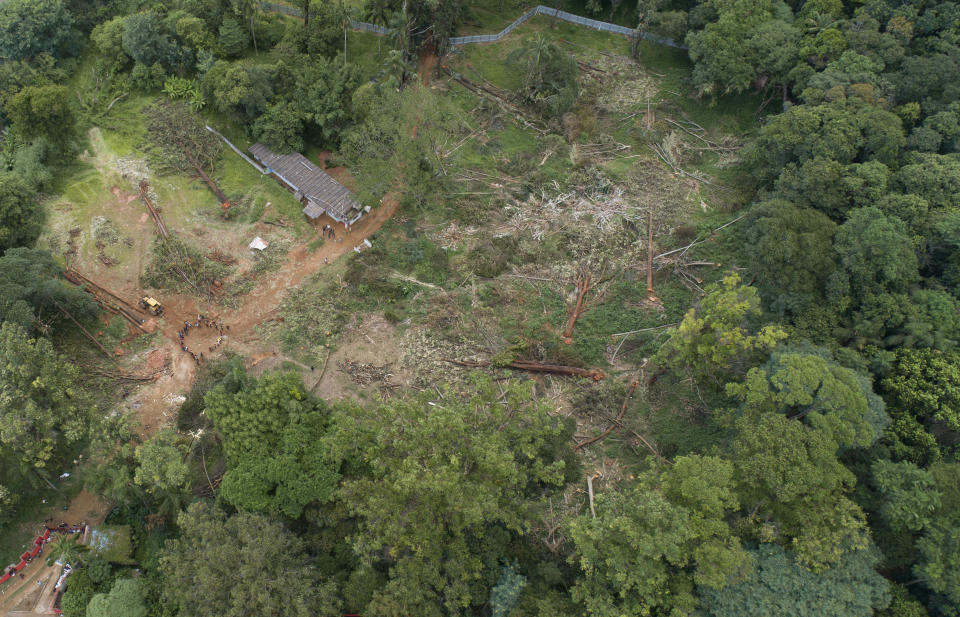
(152, 306)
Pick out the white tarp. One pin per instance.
(258, 244)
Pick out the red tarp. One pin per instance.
(35, 552)
(4, 578)
(21, 566)
(46, 534)
(39, 540)
(25, 557)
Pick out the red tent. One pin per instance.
(46, 534)
(21, 566)
(25, 557)
(35, 551)
(4, 578)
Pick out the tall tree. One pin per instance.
(242, 566)
(908, 494)
(793, 489)
(41, 409)
(416, 460)
(31, 288)
(926, 384)
(647, 546)
(20, 217)
(249, 10)
(780, 585)
(720, 338)
(32, 27)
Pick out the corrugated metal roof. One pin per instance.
(323, 193)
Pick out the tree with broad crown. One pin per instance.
(794, 489)
(789, 249)
(874, 253)
(242, 566)
(42, 111)
(126, 599)
(41, 409)
(147, 40)
(647, 546)
(811, 388)
(433, 476)
(716, 339)
(160, 464)
(32, 27)
(272, 431)
(780, 585)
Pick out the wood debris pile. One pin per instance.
(542, 214)
(220, 257)
(365, 374)
(72, 242)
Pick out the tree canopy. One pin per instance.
(244, 565)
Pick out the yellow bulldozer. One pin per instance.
(151, 306)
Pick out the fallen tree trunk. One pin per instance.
(536, 367)
(84, 331)
(199, 168)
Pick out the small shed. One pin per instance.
(319, 193)
(258, 244)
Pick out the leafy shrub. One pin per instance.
(78, 594)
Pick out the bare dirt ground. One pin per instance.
(159, 401)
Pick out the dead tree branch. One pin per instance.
(608, 430)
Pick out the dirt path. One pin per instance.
(156, 403)
(426, 65)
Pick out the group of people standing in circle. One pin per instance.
(201, 322)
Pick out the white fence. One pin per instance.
(490, 38)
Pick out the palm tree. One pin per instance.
(63, 548)
(248, 9)
(378, 12)
(530, 55)
(818, 22)
(395, 68)
(400, 26)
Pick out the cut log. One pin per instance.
(537, 367)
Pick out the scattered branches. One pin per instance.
(608, 430)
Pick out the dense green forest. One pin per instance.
(768, 427)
